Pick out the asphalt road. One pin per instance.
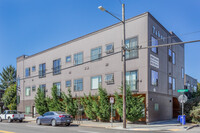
(33, 128)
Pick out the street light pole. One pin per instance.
(124, 58)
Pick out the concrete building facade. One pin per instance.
(190, 83)
(88, 61)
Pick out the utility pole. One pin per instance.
(124, 67)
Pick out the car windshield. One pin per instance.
(12, 112)
(59, 112)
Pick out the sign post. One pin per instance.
(112, 100)
(182, 99)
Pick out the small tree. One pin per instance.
(54, 103)
(87, 102)
(104, 105)
(9, 97)
(134, 106)
(195, 114)
(41, 102)
(70, 103)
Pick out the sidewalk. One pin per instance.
(169, 125)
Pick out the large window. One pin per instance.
(154, 78)
(58, 87)
(195, 88)
(42, 88)
(95, 82)
(27, 72)
(27, 91)
(154, 42)
(170, 82)
(33, 88)
(96, 53)
(174, 84)
(131, 44)
(33, 68)
(131, 80)
(56, 67)
(78, 58)
(78, 84)
(27, 110)
(42, 70)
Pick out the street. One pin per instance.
(33, 128)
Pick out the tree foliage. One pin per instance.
(54, 103)
(7, 77)
(41, 102)
(89, 107)
(70, 104)
(134, 105)
(104, 105)
(195, 114)
(9, 97)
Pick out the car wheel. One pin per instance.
(67, 124)
(38, 122)
(53, 123)
(9, 120)
(21, 120)
(0, 119)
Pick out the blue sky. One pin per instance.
(30, 26)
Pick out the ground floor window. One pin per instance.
(95, 82)
(27, 110)
(58, 86)
(78, 84)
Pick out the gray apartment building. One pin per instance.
(95, 59)
(190, 83)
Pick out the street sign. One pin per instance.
(182, 98)
(112, 100)
(182, 90)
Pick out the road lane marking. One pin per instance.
(2, 131)
(174, 129)
(87, 132)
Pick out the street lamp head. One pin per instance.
(101, 8)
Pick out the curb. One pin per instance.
(192, 127)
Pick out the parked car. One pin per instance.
(11, 115)
(55, 118)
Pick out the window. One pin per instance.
(56, 67)
(78, 58)
(188, 86)
(169, 55)
(27, 72)
(28, 91)
(131, 80)
(33, 69)
(78, 85)
(173, 58)
(33, 88)
(42, 70)
(68, 59)
(170, 82)
(109, 79)
(195, 89)
(154, 78)
(156, 107)
(18, 83)
(154, 42)
(95, 82)
(109, 48)
(68, 83)
(58, 86)
(27, 110)
(96, 53)
(174, 84)
(153, 29)
(182, 72)
(130, 44)
(43, 88)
